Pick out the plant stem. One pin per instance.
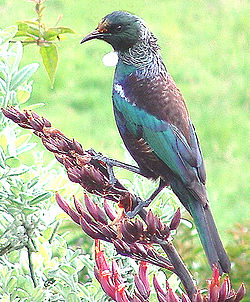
(179, 267)
(31, 266)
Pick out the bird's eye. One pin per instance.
(118, 27)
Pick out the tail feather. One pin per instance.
(206, 227)
(197, 211)
(222, 255)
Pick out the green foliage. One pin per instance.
(50, 58)
(44, 37)
(238, 250)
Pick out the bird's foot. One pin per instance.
(139, 207)
(140, 204)
(111, 163)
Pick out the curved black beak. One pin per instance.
(95, 34)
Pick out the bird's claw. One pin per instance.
(141, 204)
(108, 162)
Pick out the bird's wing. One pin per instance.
(165, 139)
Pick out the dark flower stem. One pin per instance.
(179, 267)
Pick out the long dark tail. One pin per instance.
(206, 228)
(209, 236)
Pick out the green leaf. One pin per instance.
(23, 75)
(22, 96)
(25, 148)
(2, 158)
(11, 284)
(84, 290)
(40, 198)
(68, 269)
(34, 106)
(33, 182)
(19, 171)
(73, 297)
(28, 211)
(7, 34)
(24, 29)
(15, 190)
(16, 51)
(53, 32)
(75, 254)
(2, 86)
(58, 251)
(47, 233)
(14, 257)
(50, 59)
(13, 162)
(21, 293)
(16, 202)
(38, 295)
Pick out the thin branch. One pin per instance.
(33, 42)
(32, 275)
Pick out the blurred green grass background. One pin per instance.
(204, 45)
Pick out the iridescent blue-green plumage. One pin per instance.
(154, 123)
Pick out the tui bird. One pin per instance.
(154, 123)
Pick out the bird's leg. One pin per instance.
(113, 163)
(145, 203)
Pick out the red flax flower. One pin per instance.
(114, 286)
(223, 293)
(81, 165)
(112, 282)
(137, 245)
(216, 292)
(110, 279)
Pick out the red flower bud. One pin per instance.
(121, 247)
(240, 293)
(185, 298)
(110, 211)
(62, 203)
(77, 147)
(150, 221)
(140, 287)
(198, 297)
(143, 275)
(91, 207)
(46, 122)
(78, 205)
(224, 290)
(175, 220)
(171, 296)
(91, 230)
(161, 295)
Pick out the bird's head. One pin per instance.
(120, 29)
